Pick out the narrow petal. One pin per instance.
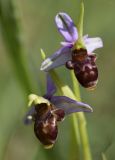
(51, 88)
(92, 44)
(66, 27)
(28, 119)
(69, 105)
(57, 59)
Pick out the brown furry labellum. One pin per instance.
(84, 67)
(45, 127)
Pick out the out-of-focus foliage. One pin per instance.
(39, 31)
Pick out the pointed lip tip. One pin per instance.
(92, 87)
(48, 146)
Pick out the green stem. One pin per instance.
(104, 156)
(82, 123)
(80, 43)
(80, 25)
(66, 91)
(76, 142)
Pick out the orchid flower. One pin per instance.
(48, 110)
(77, 52)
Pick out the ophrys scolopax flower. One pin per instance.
(48, 110)
(77, 52)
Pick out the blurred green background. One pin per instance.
(38, 30)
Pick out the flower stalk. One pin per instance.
(78, 117)
(80, 44)
(82, 123)
(65, 90)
